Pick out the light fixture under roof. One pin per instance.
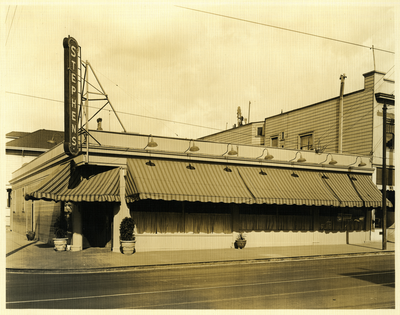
(150, 142)
(193, 148)
(51, 141)
(190, 167)
(227, 169)
(301, 159)
(332, 161)
(231, 152)
(362, 163)
(150, 163)
(267, 157)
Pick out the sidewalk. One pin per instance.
(34, 256)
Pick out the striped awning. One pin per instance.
(343, 188)
(77, 184)
(183, 181)
(290, 187)
(367, 190)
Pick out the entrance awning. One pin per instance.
(284, 186)
(77, 184)
(368, 191)
(183, 181)
(342, 187)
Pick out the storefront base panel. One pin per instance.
(299, 238)
(160, 242)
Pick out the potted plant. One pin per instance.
(127, 236)
(240, 241)
(30, 235)
(60, 231)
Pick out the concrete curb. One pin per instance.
(191, 264)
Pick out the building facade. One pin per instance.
(194, 195)
(21, 148)
(350, 123)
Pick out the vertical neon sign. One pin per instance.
(71, 96)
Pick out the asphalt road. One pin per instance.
(366, 282)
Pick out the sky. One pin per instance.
(176, 72)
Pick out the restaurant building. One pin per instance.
(186, 194)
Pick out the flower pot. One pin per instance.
(30, 236)
(240, 244)
(60, 244)
(128, 247)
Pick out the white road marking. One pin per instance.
(206, 288)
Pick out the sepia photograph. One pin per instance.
(200, 156)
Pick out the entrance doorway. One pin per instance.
(97, 220)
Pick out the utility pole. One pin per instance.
(385, 99)
(384, 240)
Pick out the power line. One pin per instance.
(120, 112)
(42, 98)
(286, 29)
(16, 7)
(8, 10)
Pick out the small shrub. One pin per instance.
(126, 229)
(240, 237)
(60, 227)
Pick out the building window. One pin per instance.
(274, 141)
(259, 131)
(306, 141)
(9, 197)
(389, 176)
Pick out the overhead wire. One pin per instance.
(225, 16)
(286, 29)
(12, 21)
(132, 97)
(119, 112)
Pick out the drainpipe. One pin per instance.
(340, 133)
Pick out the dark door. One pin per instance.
(96, 223)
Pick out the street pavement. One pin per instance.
(35, 256)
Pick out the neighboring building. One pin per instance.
(321, 128)
(23, 147)
(194, 195)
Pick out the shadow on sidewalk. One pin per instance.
(18, 249)
(366, 246)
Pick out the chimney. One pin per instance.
(99, 120)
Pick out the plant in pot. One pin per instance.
(127, 236)
(60, 231)
(30, 235)
(240, 241)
